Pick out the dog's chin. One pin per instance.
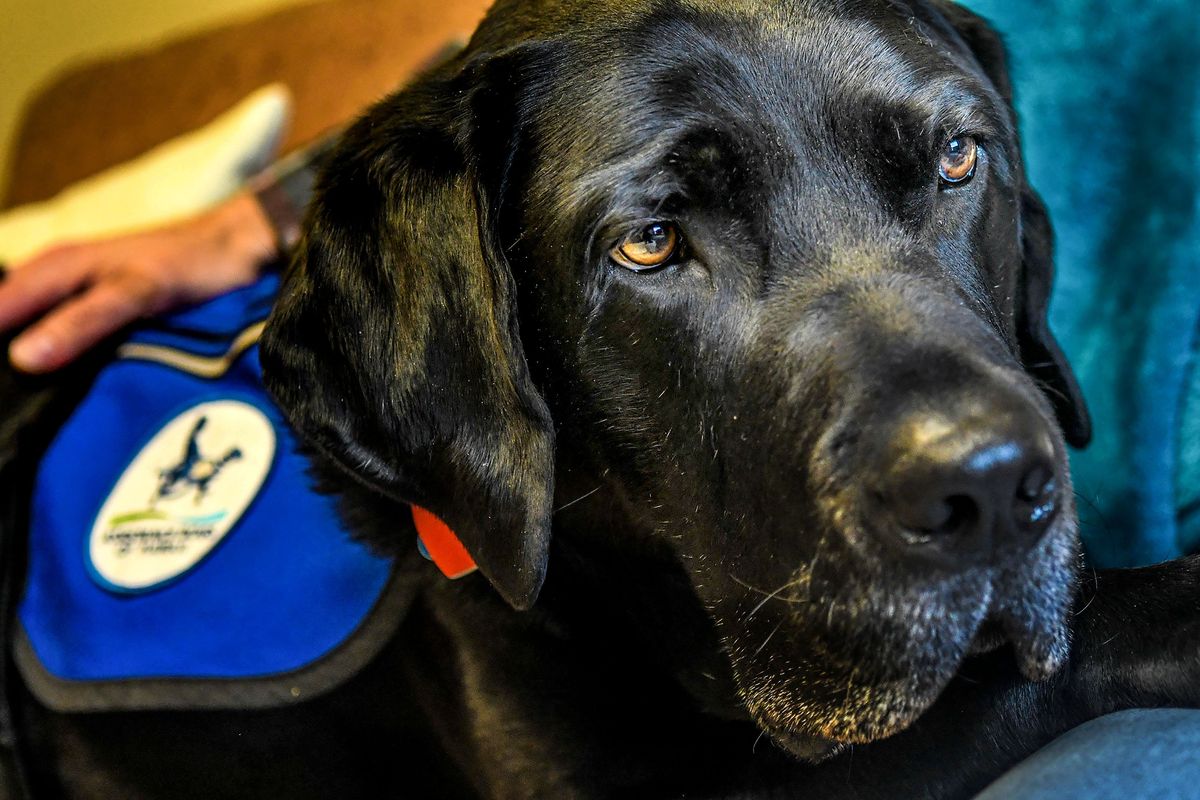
(869, 664)
(804, 746)
(816, 725)
(859, 711)
(833, 729)
(828, 689)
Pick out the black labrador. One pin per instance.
(718, 329)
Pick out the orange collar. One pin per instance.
(438, 543)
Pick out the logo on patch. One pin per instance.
(181, 495)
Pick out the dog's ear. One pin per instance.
(393, 347)
(1040, 352)
(983, 42)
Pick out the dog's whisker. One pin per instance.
(768, 595)
(1095, 593)
(765, 600)
(774, 630)
(751, 587)
(812, 565)
(849, 689)
(748, 585)
(583, 496)
(1086, 606)
(1046, 387)
(1101, 518)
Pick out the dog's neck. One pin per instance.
(616, 580)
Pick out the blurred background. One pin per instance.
(40, 39)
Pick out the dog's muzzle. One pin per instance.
(961, 481)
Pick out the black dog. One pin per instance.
(723, 325)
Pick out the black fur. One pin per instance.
(680, 461)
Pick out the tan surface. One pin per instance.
(335, 56)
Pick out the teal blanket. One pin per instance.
(1108, 93)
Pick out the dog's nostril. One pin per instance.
(960, 513)
(927, 520)
(1036, 483)
(1036, 497)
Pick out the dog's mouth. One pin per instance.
(988, 638)
(856, 669)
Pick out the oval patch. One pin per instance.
(181, 495)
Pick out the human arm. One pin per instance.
(73, 296)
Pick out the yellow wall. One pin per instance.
(39, 37)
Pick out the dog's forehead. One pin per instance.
(783, 76)
(746, 54)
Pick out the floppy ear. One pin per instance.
(1040, 352)
(393, 348)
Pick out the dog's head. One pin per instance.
(768, 274)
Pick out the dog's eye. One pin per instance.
(958, 161)
(648, 248)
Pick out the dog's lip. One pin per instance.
(989, 637)
(804, 746)
(837, 728)
(1038, 652)
(784, 734)
(1037, 656)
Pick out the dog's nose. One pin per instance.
(956, 492)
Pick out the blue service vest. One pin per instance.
(178, 556)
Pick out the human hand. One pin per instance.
(80, 293)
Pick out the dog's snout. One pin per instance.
(957, 491)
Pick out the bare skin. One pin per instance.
(73, 296)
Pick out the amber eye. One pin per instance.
(959, 158)
(650, 247)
